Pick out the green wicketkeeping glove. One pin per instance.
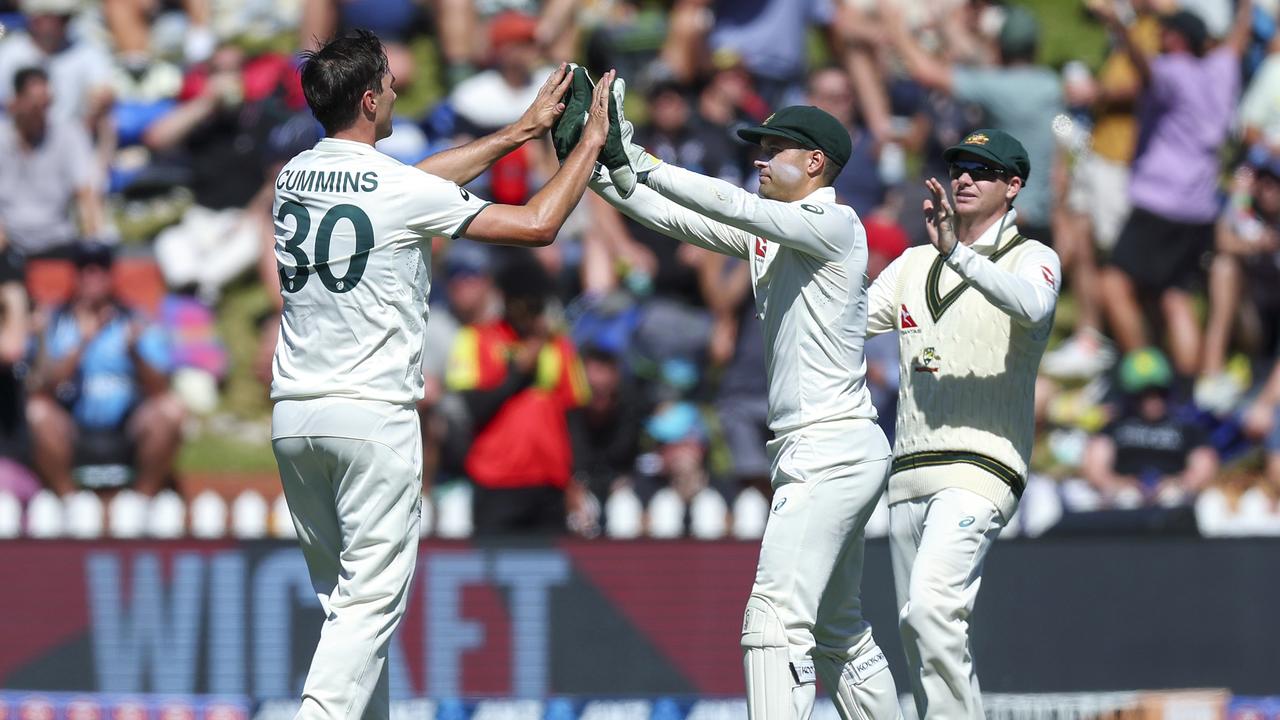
(577, 102)
(627, 162)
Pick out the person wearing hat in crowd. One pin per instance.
(1018, 96)
(1147, 455)
(807, 256)
(973, 311)
(1187, 107)
(101, 382)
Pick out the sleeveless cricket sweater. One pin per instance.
(968, 370)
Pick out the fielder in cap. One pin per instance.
(973, 312)
(808, 258)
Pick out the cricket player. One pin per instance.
(808, 257)
(353, 230)
(973, 313)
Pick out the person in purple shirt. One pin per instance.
(1188, 100)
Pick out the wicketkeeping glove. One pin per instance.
(567, 128)
(627, 162)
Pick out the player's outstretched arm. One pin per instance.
(801, 226)
(465, 163)
(657, 213)
(537, 222)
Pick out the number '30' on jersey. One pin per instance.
(353, 231)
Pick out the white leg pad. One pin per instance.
(778, 688)
(862, 688)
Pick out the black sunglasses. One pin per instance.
(976, 170)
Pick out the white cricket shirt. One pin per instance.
(808, 270)
(352, 230)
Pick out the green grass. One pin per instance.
(1067, 33)
(243, 302)
(211, 453)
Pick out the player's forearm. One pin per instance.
(553, 203)
(537, 223)
(1027, 301)
(467, 162)
(784, 223)
(647, 207)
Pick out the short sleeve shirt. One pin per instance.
(352, 245)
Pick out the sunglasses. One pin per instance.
(977, 171)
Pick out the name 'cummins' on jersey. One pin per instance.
(352, 246)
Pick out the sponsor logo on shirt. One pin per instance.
(905, 321)
(761, 247)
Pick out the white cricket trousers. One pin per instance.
(938, 543)
(804, 617)
(352, 475)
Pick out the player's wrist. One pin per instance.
(519, 133)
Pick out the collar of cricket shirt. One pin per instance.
(822, 194)
(340, 145)
(997, 235)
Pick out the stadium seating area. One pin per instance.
(185, 111)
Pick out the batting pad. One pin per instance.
(777, 688)
(862, 688)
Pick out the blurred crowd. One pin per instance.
(615, 379)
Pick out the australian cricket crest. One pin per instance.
(928, 361)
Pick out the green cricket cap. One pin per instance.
(996, 146)
(1145, 369)
(807, 126)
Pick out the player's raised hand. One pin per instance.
(597, 127)
(547, 106)
(939, 218)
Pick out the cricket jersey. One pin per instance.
(808, 269)
(352, 246)
(971, 331)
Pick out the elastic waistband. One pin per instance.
(931, 458)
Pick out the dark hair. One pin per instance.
(830, 170)
(26, 76)
(336, 76)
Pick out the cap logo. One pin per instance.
(768, 119)
(976, 139)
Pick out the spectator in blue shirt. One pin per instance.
(102, 393)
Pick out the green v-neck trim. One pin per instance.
(938, 303)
